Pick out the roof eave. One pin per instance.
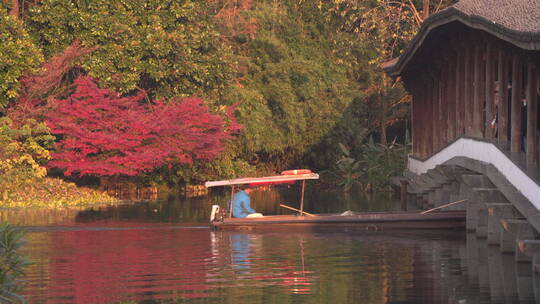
(523, 40)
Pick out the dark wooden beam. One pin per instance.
(490, 90)
(426, 138)
(502, 107)
(451, 93)
(460, 76)
(429, 132)
(532, 113)
(419, 121)
(435, 125)
(443, 106)
(479, 90)
(415, 119)
(516, 103)
(468, 90)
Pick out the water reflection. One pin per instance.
(171, 262)
(175, 209)
(140, 253)
(250, 260)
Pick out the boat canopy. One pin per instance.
(262, 180)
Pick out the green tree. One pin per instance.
(388, 26)
(18, 55)
(166, 47)
(291, 87)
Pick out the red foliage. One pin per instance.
(48, 82)
(52, 71)
(232, 18)
(106, 134)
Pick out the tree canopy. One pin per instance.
(106, 134)
(304, 76)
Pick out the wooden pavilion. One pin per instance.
(473, 73)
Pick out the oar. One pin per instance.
(450, 204)
(294, 209)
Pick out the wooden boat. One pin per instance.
(375, 221)
(365, 221)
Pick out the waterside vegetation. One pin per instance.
(96, 89)
(12, 263)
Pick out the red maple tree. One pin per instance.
(47, 84)
(102, 133)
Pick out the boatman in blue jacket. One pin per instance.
(242, 204)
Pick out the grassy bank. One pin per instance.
(49, 193)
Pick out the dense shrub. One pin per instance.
(23, 181)
(18, 55)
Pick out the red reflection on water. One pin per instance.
(103, 266)
(89, 264)
(245, 250)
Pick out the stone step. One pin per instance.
(482, 224)
(437, 176)
(452, 171)
(529, 247)
(483, 195)
(496, 212)
(413, 188)
(477, 181)
(513, 231)
(474, 209)
(425, 183)
(419, 184)
(459, 178)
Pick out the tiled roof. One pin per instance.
(514, 21)
(516, 15)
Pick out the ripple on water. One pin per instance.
(163, 263)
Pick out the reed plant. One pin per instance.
(372, 168)
(12, 263)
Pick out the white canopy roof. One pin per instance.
(262, 180)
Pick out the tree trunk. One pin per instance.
(14, 8)
(426, 9)
(382, 102)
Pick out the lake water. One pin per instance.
(165, 252)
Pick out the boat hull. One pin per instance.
(364, 221)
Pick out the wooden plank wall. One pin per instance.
(478, 87)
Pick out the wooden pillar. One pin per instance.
(515, 120)
(443, 107)
(419, 132)
(490, 91)
(427, 141)
(451, 100)
(467, 90)
(460, 76)
(478, 100)
(417, 91)
(403, 194)
(414, 119)
(434, 124)
(502, 107)
(429, 132)
(532, 113)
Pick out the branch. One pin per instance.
(415, 12)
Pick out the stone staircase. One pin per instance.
(491, 216)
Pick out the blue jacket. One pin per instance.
(241, 206)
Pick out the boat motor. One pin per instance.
(214, 212)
